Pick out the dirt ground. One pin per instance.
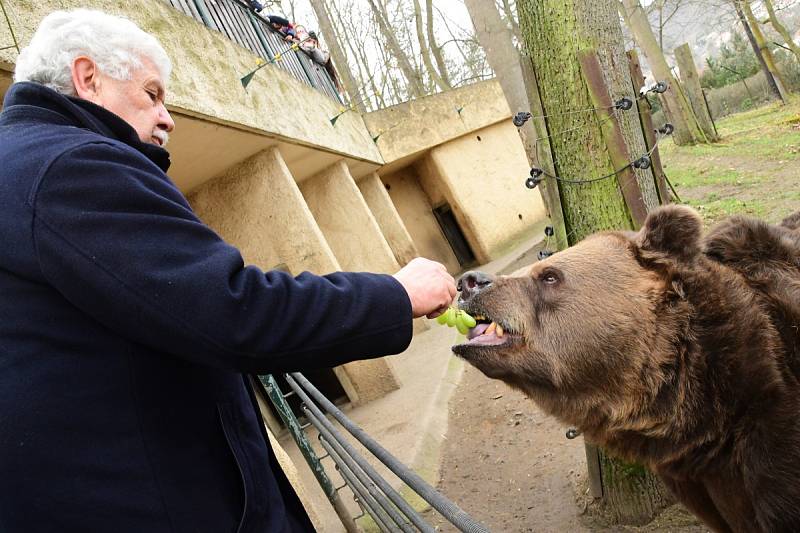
(512, 468)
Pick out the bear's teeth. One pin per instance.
(499, 330)
(490, 329)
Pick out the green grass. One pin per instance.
(753, 170)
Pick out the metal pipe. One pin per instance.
(367, 480)
(372, 507)
(454, 514)
(286, 414)
(392, 494)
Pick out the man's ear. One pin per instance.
(86, 79)
(673, 230)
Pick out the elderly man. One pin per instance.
(127, 326)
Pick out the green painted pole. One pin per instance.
(286, 414)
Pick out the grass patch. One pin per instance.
(750, 171)
(712, 208)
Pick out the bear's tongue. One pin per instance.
(484, 334)
(476, 331)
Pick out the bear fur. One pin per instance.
(669, 349)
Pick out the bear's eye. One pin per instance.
(549, 278)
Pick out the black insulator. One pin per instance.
(521, 118)
(532, 182)
(666, 129)
(572, 433)
(549, 231)
(536, 172)
(624, 104)
(544, 254)
(660, 87)
(642, 162)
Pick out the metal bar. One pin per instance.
(375, 510)
(454, 514)
(328, 430)
(205, 15)
(285, 412)
(708, 108)
(361, 468)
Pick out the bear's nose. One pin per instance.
(473, 282)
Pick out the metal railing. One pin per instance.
(374, 495)
(241, 25)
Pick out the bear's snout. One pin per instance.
(471, 283)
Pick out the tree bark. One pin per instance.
(771, 81)
(555, 33)
(687, 131)
(425, 51)
(694, 92)
(435, 49)
(337, 53)
(781, 29)
(515, 75)
(766, 53)
(416, 88)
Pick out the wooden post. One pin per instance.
(646, 120)
(612, 135)
(691, 83)
(543, 153)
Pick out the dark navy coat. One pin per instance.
(126, 327)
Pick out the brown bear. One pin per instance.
(667, 349)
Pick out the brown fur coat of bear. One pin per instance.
(667, 348)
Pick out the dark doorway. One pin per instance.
(454, 235)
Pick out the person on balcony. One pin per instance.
(128, 328)
(282, 26)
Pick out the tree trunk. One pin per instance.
(771, 81)
(435, 49)
(687, 131)
(766, 53)
(337, 54)
(415, 86)
(555, 33)
(638, 496)
(512, 72)
(424, 51)
(694, 92)
(781, 29)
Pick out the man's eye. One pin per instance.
(153, 96)
(550, 279)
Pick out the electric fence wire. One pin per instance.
(641, 162)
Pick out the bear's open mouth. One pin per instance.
(488, 332)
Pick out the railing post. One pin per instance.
(286, 414)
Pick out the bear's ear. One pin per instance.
(673, 230)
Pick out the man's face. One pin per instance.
(139, 101)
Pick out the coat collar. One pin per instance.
(23, 98)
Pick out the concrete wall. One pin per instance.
(481, 175)
(258, 207)
(420, 124)
(205, 79)
(414, 207)
(389, 220)
(347, 222)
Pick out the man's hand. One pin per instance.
(429, 286)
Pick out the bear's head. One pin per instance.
(591, 324)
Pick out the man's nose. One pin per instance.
(473, 282)
(165, 121)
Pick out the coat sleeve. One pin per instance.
(119, 241)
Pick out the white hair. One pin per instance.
(115, 44)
